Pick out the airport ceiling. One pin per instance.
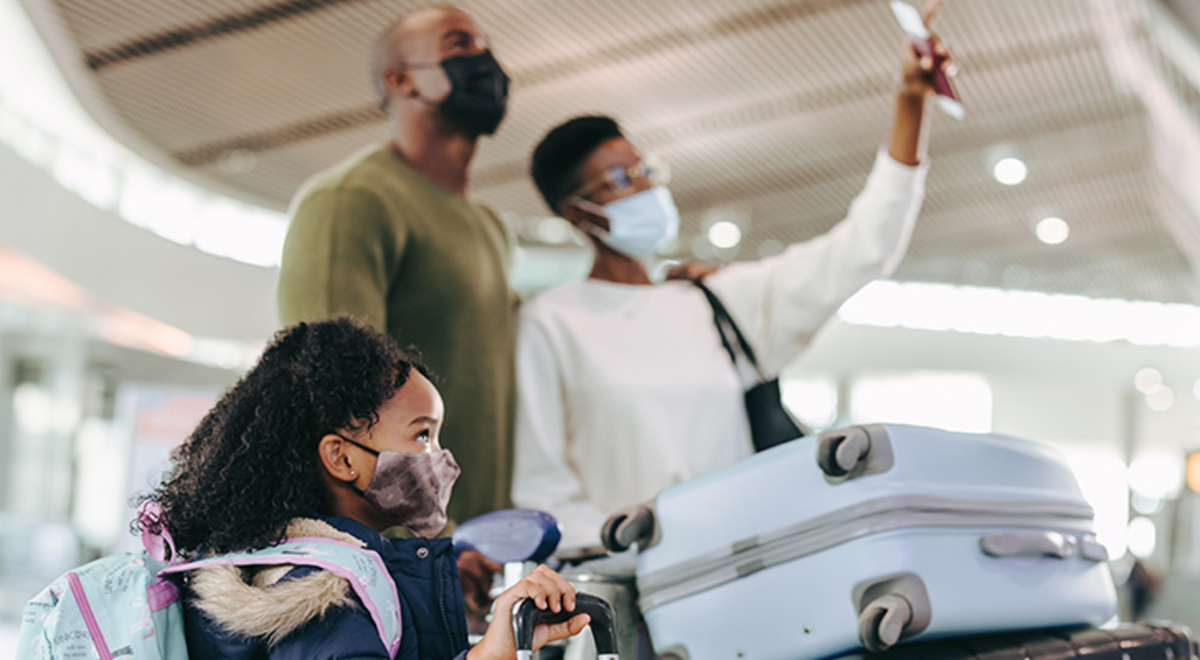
(768, 111)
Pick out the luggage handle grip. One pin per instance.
(1029, 544)
(526, 616)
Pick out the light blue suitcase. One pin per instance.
(868, 536)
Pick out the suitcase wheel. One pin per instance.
(882, 622)
(840, 453)
(633, 525)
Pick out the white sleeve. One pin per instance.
(543, 478)
(780, 302)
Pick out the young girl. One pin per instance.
(333, 433)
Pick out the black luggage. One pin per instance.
(1128, 642)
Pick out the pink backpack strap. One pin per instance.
(156, 538)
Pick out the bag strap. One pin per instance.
(156, 538)
(725, 324)
(362, 568)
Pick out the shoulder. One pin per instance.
(346, 632)
(357, 171)
(554, 302)
(365, 183)
(274, 602)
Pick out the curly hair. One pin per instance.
(251, 465)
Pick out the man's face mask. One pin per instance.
(412, 487)
(478, 92)
(639, 226)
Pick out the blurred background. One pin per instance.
(148, 151)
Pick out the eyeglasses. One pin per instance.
(620, 180)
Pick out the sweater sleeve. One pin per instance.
(780, 302)
(341, 252)
(543, 477)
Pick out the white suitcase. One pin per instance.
(867, 536)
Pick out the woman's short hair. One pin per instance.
(251, 465)
(558, 156)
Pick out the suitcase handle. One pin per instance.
(526, 616)
(1029, 544)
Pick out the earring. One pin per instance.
(353, 473)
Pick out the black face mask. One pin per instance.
(478, 92)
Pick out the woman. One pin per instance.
(624, 388)
(333, 433)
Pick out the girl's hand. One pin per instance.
(549, 591)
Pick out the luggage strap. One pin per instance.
(876, 516)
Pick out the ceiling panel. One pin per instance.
(771, 110)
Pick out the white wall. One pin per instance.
(205, 295)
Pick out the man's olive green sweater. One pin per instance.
(373, 239)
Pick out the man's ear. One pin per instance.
(335, 459)
(398, 82)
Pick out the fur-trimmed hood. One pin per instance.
(252, 603)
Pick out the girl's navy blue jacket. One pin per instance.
(294, 613)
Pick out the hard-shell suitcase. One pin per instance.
(1128, 642)
(867, 536)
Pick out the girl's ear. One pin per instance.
(335, 459)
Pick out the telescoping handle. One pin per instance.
(526, 617)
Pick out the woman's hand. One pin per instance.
(917, 72)
(475, 572)
(549, 591)
(917, 76)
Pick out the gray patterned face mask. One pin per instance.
(412, 487)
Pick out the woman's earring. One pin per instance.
(353, 473)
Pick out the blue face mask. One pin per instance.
(639, 226)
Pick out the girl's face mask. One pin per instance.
(412, 487)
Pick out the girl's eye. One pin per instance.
(425, 435)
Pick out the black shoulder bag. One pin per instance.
(770, 423)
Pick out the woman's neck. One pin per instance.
(612, 266)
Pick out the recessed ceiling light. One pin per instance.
(1053, 231)
(1147, 380)
(724, 234)
(1160, 398)
(1010, 171)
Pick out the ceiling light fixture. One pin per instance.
(1010, 171)
(724, 234)
(985, 311)
(1053, 231)
(1147, 380)
(1160, 398)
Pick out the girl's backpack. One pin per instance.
(126, 606)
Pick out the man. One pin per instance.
(389, 237)
(624, 387)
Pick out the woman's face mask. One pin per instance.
(639, 226)
(413, 488)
